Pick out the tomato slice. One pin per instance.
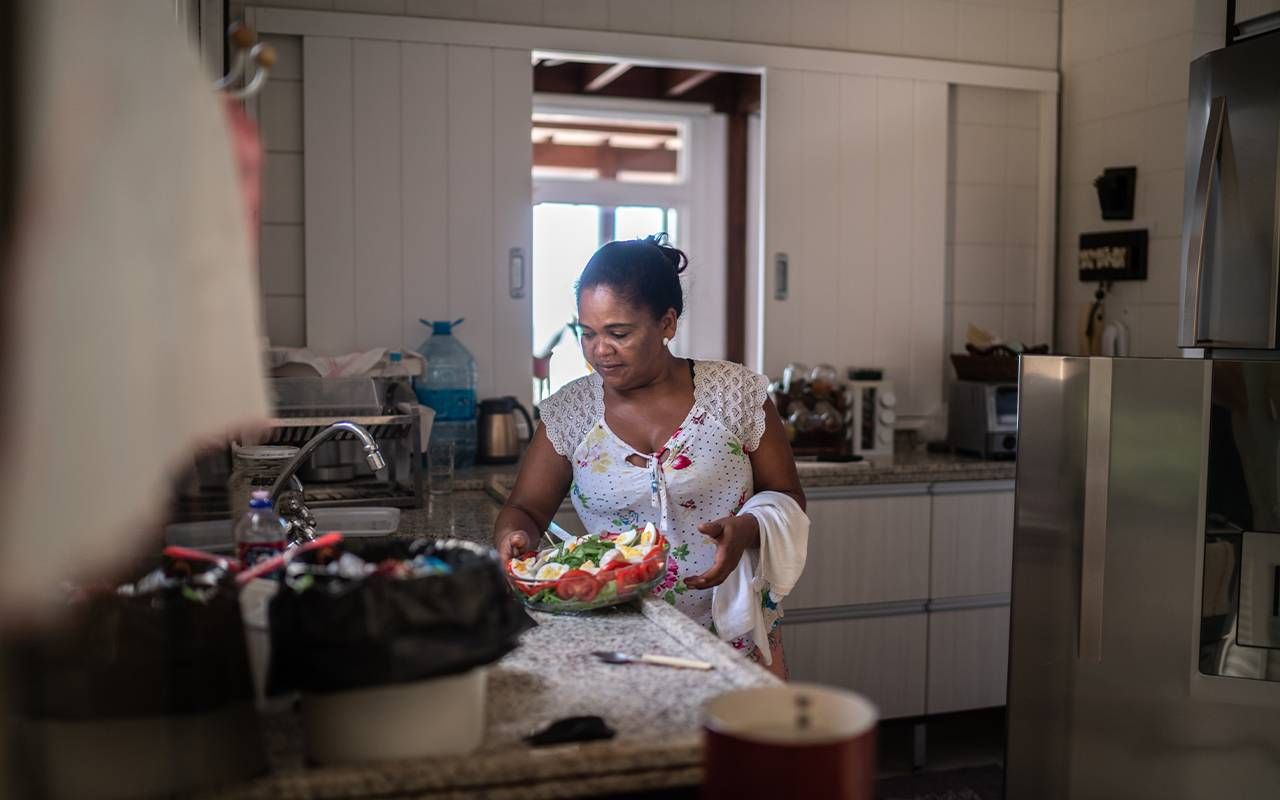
(577, 584)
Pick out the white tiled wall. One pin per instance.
(992, 235)
(280, 261)
(1014, 32)
(1125, 70)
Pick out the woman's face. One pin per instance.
(621, 340)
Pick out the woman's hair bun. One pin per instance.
(679, 261)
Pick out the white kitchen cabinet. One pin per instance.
(972, 548)
(855, 192)
(882, 658)
(968, 658)
(417, 195)
(870, 549)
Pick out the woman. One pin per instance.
(649, 437)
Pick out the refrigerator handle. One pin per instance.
(1200, 220)
(1097, 477)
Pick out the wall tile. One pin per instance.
(979, 214)
(282, 188)
(1164, 201)
(520, 12)
(1019, 273)
(1033, 38)
(280, 116)
(820, 23)
(1022, 157)
(370, 6)
(1209, 16)
(288, 64)
(1122, 141)
(981, 105)
(1082, 152)
(1084, 32)
(1169, 70)
(1039, 5)
(1171, 17)
(982, 33)
(929, 28)
(1165, 136)
(1128, 24)
(762, 21)
(1024, 109)
(1084, 88)
(1020, 215)
(1202, 43)
(876, 26)
(444, 9)
(1126, 81)
(314, 5)
(978, 273)
(980, 153)
(1153, 331)
(1018, 324)
(280, 260)
(1079, 213)
(699, 19)
(285, 320)
(640, 16)
(1164, 270)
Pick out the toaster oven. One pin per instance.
(982, 419)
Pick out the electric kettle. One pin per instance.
(499, 437)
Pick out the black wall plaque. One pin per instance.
(1113, 256)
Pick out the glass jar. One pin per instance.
(254, 468)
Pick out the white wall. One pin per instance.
(991, 232)
(1014, 32)
(1125, 70)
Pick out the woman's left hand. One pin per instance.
(732, 535)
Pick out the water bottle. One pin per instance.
(449, 387)
(260, 533)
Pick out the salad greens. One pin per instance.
(591, 548)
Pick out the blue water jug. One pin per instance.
(449, 387)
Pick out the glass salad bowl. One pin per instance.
(590, 572)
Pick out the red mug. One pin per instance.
(796, 740)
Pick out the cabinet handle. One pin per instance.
(1097, 476)
(780, 276)
(515, 272)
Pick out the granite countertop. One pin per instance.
(916, 466)
(550, 676)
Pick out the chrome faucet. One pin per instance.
(290, 505)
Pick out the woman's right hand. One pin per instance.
(511, 543)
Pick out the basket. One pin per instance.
(987, 369)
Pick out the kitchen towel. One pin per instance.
(737, 605)
(294, 361)
(133, 314)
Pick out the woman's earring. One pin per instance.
(665, 341)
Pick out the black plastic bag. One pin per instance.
(174, 650)
(342, 634)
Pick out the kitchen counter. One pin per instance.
(917, 466)
(656, 711)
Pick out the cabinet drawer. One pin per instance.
(972, 550)
(968, 659)
(865, 550)
(880, 657)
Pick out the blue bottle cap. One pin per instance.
(260, 499)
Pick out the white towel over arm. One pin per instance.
(784, 545)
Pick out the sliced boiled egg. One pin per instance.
(650, 535)
(610, 557)
(552, 571)
(589, 566)
(572, 545)
(626, 537)
(631, 554)
(523, 567)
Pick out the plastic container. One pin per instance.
(261, 533)
(449, 387)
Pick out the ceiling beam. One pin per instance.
(640, 130)
(681, 81)
(598, 76)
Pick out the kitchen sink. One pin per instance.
(214, 536)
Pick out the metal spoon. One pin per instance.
(614, 657)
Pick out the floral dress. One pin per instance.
(701, 474)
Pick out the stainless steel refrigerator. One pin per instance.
(1145, 625)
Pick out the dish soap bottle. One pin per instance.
(260, 533)
(449, 387)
